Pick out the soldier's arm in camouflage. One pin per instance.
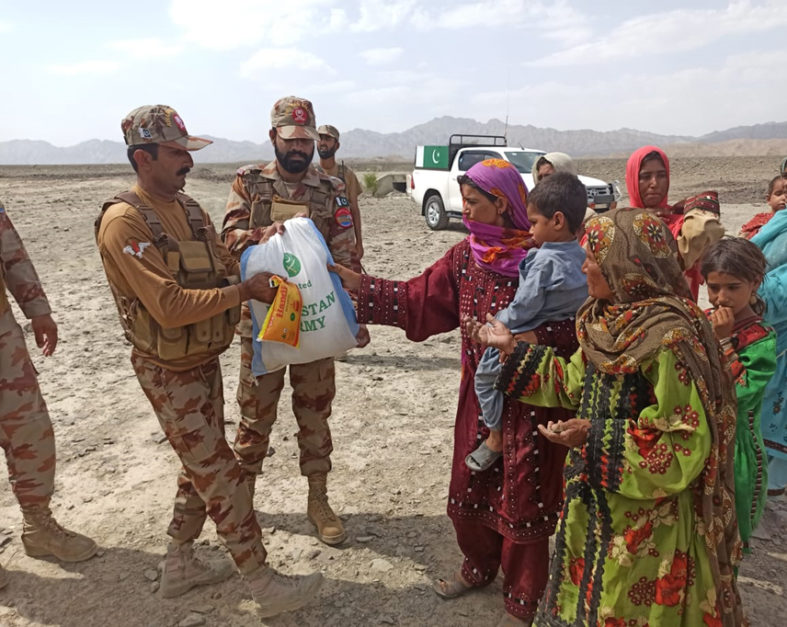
(352, 195)
(235, 231)
(18, 270)
(341, 240)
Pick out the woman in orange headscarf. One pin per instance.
(694, 222)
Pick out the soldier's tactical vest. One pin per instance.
(194, 265)
(267, 206)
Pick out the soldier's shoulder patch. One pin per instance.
(135, 248)
(343, 217)
(2, 209)
(247, 169)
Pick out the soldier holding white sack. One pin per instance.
(260, 195)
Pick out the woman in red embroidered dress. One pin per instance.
(503, 516)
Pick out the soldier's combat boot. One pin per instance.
(181, 571)
(3, 578)
(43, 536)
(275, 593)
(329, 527)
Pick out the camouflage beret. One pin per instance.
(159, 124)
(293, 118)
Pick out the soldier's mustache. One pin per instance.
(183, 170)
(297, 153)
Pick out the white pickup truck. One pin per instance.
(434, 187)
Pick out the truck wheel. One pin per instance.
(436, 218)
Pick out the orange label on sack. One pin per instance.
(283, 320)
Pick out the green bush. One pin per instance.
(370, 182)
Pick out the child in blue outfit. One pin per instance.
(551, 288)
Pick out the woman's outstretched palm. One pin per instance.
(494, 333)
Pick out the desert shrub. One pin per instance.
(370, 182)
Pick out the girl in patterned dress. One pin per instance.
(733, 269)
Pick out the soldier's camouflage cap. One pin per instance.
(328, 129)
(293, 118)
(159, 124)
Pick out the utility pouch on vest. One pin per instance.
(196, 265)
(283, 209)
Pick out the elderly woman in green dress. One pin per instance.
(647, 534)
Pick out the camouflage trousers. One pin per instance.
(190, 409)
(313, 389)
(26, 433)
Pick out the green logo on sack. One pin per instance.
(291, 264)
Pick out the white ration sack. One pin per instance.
(328, 323)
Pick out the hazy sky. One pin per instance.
(71, 70)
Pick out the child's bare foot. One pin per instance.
(495, 440)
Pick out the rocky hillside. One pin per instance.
(760, 139)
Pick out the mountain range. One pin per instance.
(759, 139)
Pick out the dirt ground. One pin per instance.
(392, 430)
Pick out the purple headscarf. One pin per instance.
(496, 248)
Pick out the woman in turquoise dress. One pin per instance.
(648, 533)
(772, 240)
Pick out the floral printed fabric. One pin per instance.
(631, 546)
(649, 377)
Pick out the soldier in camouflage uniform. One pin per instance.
(177, 291)
(25, 429)
(327, 148)
(260, 195)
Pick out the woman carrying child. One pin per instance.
(648, 534)
(502, 517)
(733, 269)
(551, 288)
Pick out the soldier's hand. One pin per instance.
(351, 280)
(258, 288)
(45, 330)
(263, 233)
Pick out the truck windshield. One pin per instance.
(523, 160)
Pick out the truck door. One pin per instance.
(465, 160)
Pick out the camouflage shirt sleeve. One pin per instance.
(235, 230)
(18, 271)
(341, 234)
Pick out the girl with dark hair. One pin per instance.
(733, 269)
